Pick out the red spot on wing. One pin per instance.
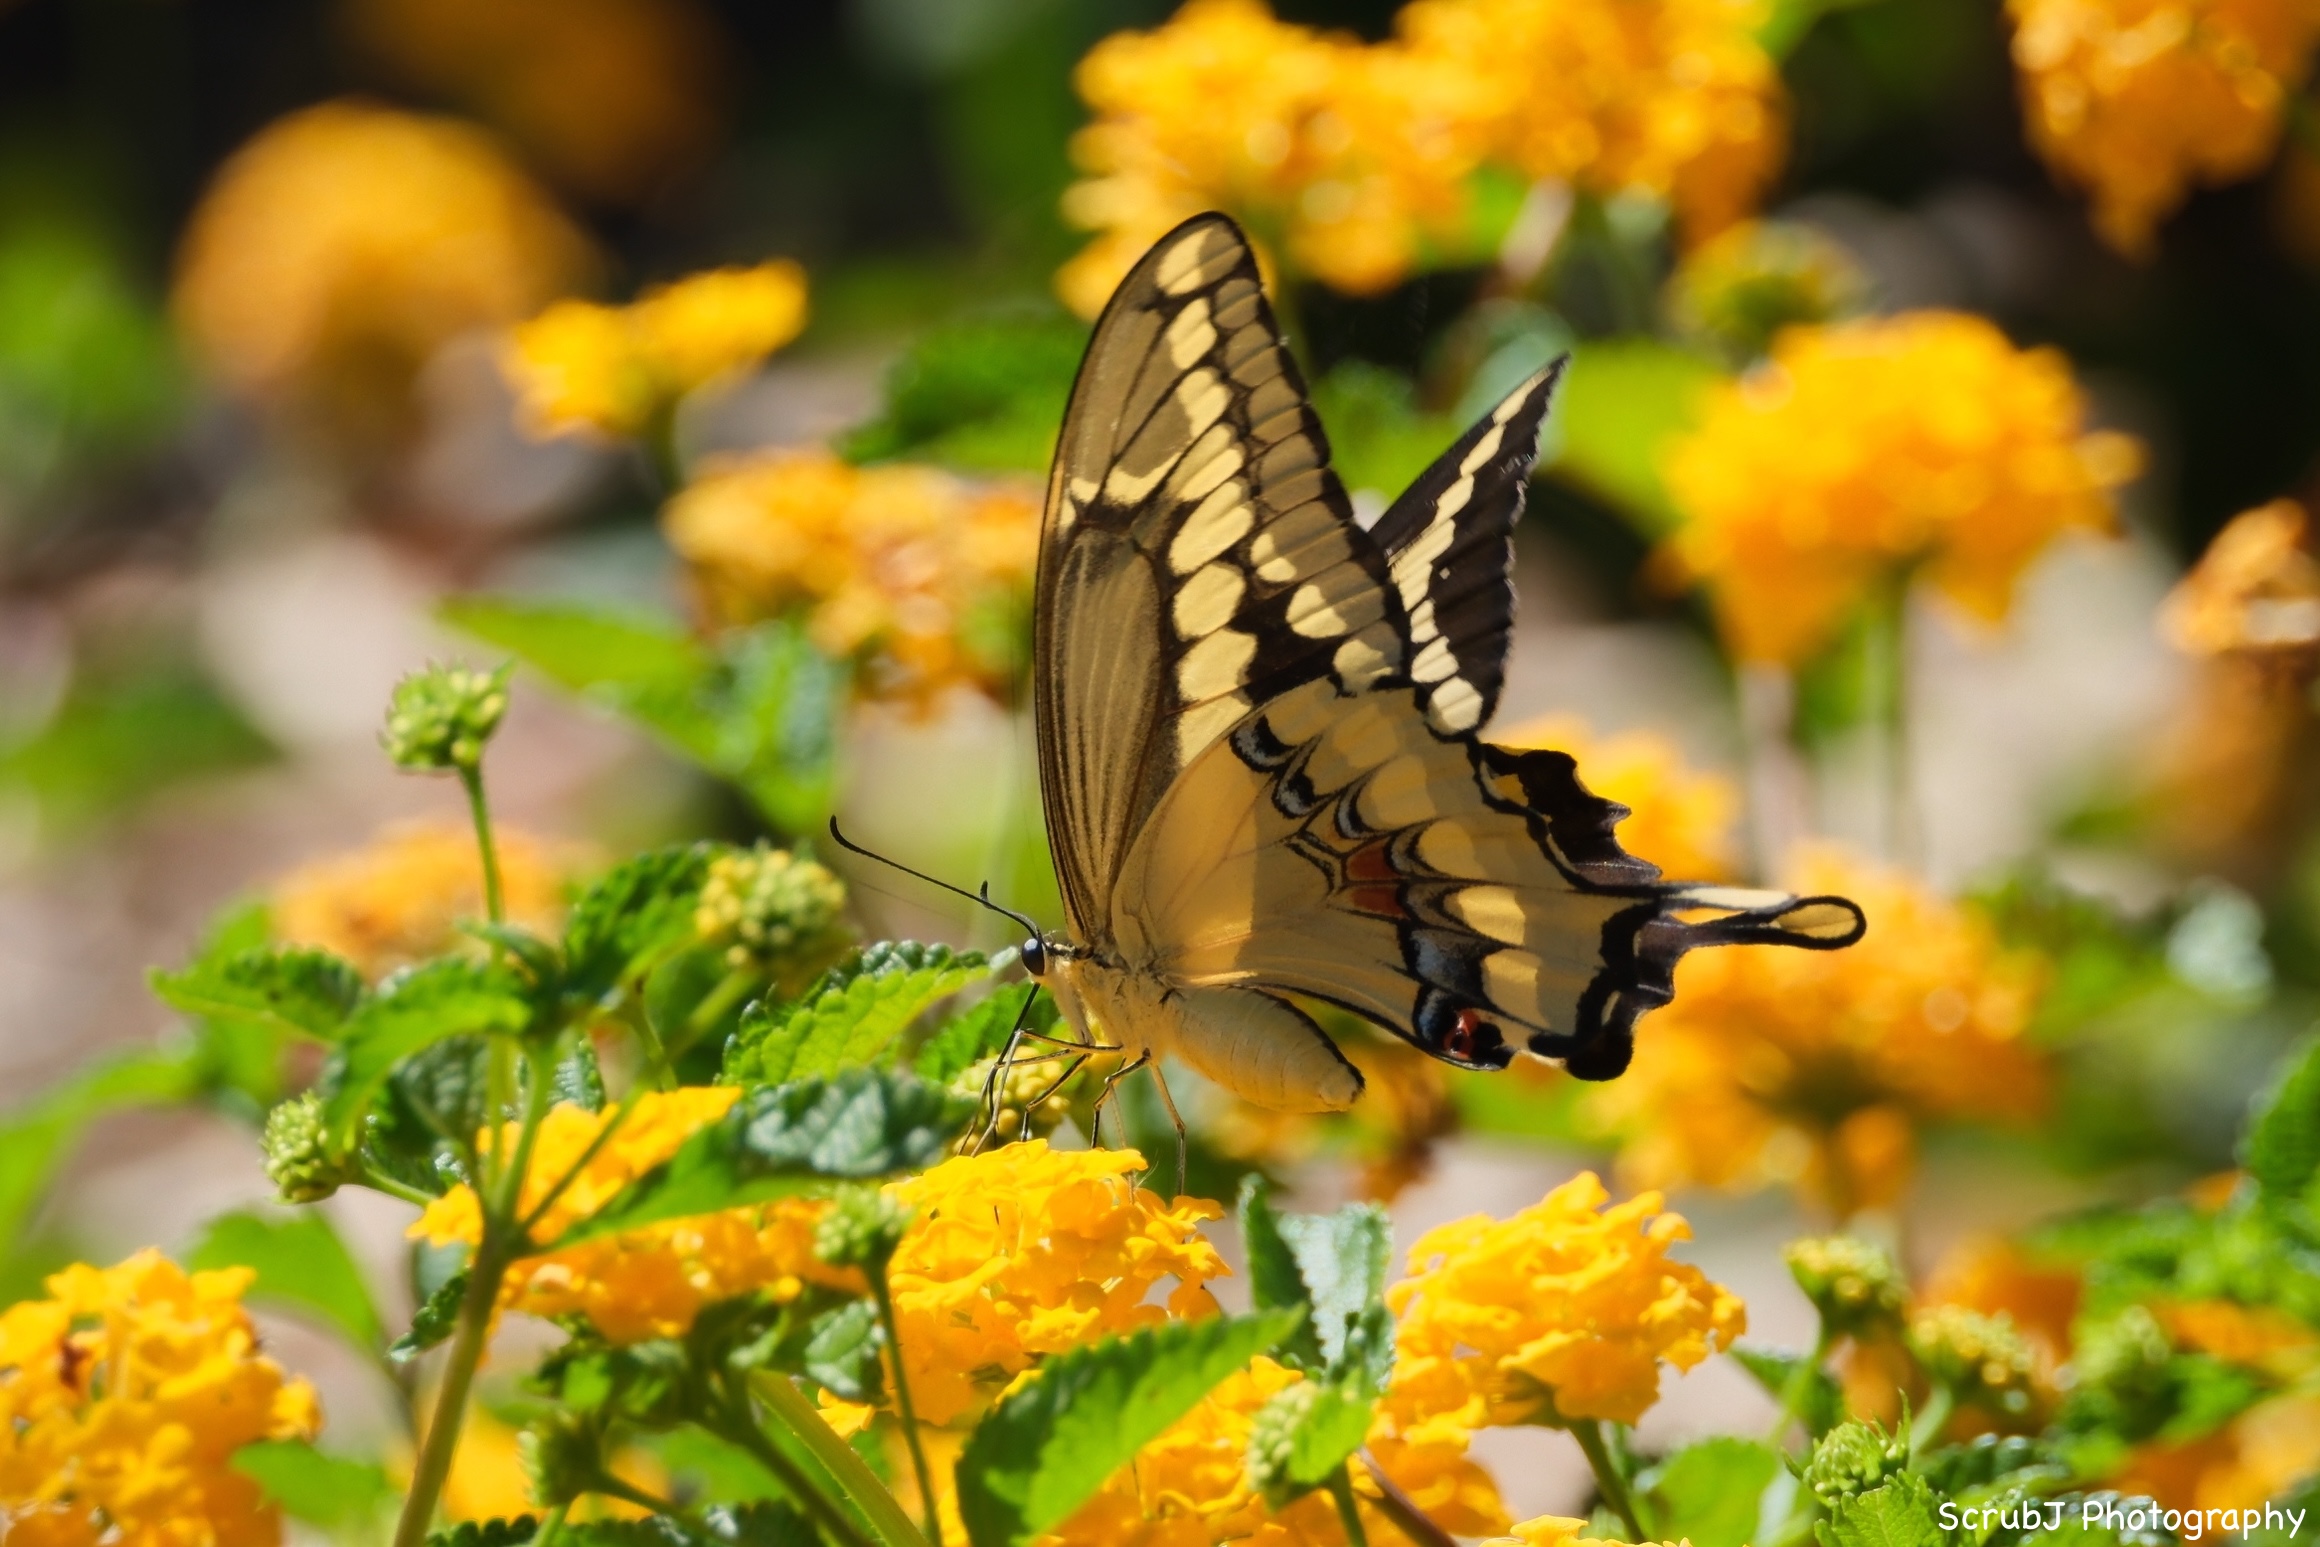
(1370, 862)
(1383, 902)
(1465, 1036)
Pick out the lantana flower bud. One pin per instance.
(1854, 1458)
(1976, 1358)
(440, 718)
(769, 908)
(1854, 1284)
(298, 1156)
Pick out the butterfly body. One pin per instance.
(1258, 731)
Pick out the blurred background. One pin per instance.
(706, 356)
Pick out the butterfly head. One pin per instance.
(1035, 954)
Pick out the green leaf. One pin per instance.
(984, 392)
(294, 992)
(777, 723)
(783, 1139)
(337, 1493)
(1274, 1279)
(2282, 1148)
(1380, 439)
(1334, 1265)
(1622, 402)
(649, 670)
(844, 1349)
(1048, 1446)
(35, 1137)
(434, 1321)
(1900, 1514)
(632, 916)
(1823, 1405)
(300, 1263)
(851, 1015)
(411, 1012)
(1709, 1493)
(981, 1032)
(507, 1531)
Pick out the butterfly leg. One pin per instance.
(1110, 1092)
(1168, 1104)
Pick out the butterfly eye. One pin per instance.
(1035, 957)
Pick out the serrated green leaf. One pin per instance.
(504, 1531)
(1900, 1514)
(434, 1321)
(300, 1262)
(578, 1080)
(2282, 1147)
(295, 992)
(652, 671)
(780, 1140)
(1048, 1446)
(1708, 1493)
(413, 1011)
(981, 1032)
(337, 1493)
(1274, 1280)
(1344, 1260)
(844, 1350)
(1822, 1406)
(635, 914)
(851, 1015)
(35, 1137)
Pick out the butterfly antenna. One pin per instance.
(1030, 929)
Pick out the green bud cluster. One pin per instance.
(440, 718)
(298, 1156)
(1855, 1285)
(1854, 1458)
(562, 1457)
(862, 1229)
(768, 906)
(1974, 1357)
(1030, 1103)
(1273, 1438)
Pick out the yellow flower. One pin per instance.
(1674, 98)
(616, 369)
(2256, 1459)
(2254, 593)
(337, 250)
(1347, 159)
(402, 899)
(1814, 1069)
(1680, 820)
(611, 96)
(645, 1283)
(2261, 1337)
(1025, 1250)
(1563, 1312)
(1861, 449)
(1991, 1275)
(1558, 1531)
(123, 1397)
(917, 574)
(2136, 100)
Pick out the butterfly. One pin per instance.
(1259, 734)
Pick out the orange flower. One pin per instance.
(1991, 1275)
(402, 899)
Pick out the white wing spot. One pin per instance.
(1454, 707)
(1359, 662)
(1484, 450)
(1185, 266)
(1203, 723)
(1222, 519)
(1434, 663)
(1205, 602)
(1492, 910)
(1191, 335)
(1217, 665)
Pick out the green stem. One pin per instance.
(378, 1181)
(620, 1488)
(1931, 1422)
(731, 989)
(494, 906)
(885, 1299)
(550, 1524)
(1799, 1382)
(1608, 1478)
(451, 1399)
(789, 1407)
(1348, 1512)
(739, 1425)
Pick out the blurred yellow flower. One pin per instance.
(645, 1283)
(916, 574)
(2260, 1337)
(123, 1397)
(402, 898)
(1674, 98)
(1862, 449)
(1991, 1275)
(337, 250)
(611, 97)
(2255, 592)
(2257, 1458)
(1025, 1250)
(2137, 100)
(1558, 1531)
(1681, 820)
(618, 369)
(1562, 1312)
(1737, 291)
(1343, 158)
(1812, 1069)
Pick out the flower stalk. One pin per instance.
(1608, 1477)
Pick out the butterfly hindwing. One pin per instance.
(1449, 542)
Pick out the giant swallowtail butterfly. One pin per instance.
(1258, 734)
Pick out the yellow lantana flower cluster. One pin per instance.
(1680, 819)
(402, 898)
(1815, 1069)
(1353, 161)
(918, 575)
(650, 1282)
(1023, 1251)
(1564, 1311)
(123, 1397)
(617, 370)
(1862, 449)
(2137, 100)
(340, 248)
